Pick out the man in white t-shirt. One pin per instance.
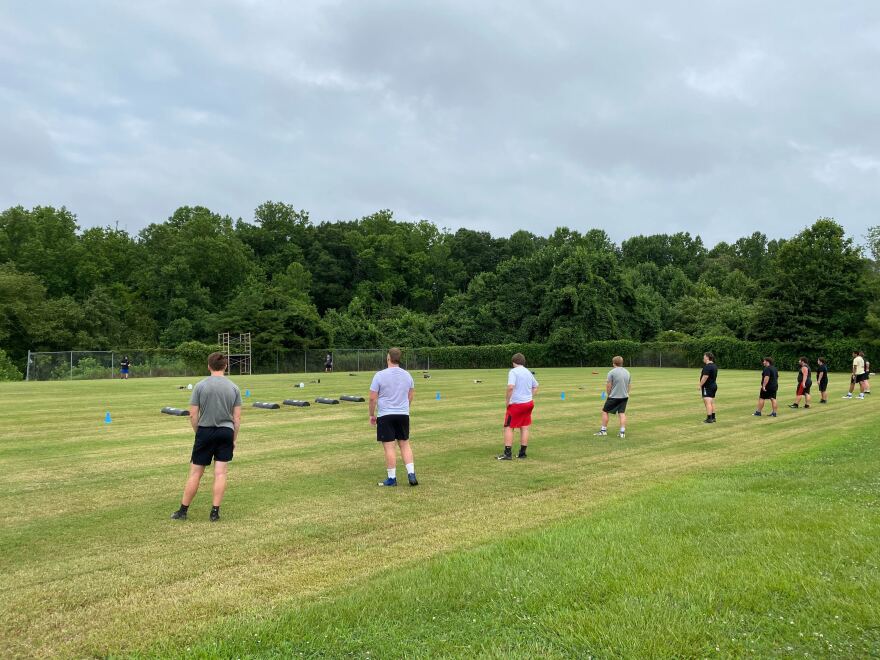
(859, 377)
(392, 390)
(521, 389)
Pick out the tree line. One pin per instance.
(377, 281)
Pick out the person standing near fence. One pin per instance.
(124, 367)
(521, 390)
(867, 372)
(709, 386)
(328, 363)
(392, 391)
(215, 415)
(617, 387)
(769, 388)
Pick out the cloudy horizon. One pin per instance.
(718, 119)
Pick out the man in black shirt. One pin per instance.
(822, 380)
(328, 363)
(124, 367)
(804, 383)
(708, 386)
(769, 387)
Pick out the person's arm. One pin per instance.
(236, 423)
(804, 375)
(703, 380)
(411, 394)
(194, 417)
(608, 387)
(374, 398)
(764, 382)
(508, 395)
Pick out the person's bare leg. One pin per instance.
(604, 420)
(807, 399)
(775, 405)
(390, 455)
(192, 483)
(405, 451)
(710, 406)
(622, 418)
(220, 473)
(760, 407)
(508, 436)
(524, 436)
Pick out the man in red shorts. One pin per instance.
(521, 389)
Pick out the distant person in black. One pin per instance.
(769, 387)
(822, 380)
(328, 363)
(124, 367)
(708, 386)
(804, 383)
(867, 373)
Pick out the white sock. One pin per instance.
(410, 468)
(623, 429)
(392, 473)
(604, 428)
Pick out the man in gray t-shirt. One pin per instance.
(215, 415)
(392, 391)
(617, 388)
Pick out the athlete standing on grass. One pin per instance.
(822, 379)
(215, 415)
(769, 387)
(521, 390)
(617, 388)
(867, 372)
(858, 376)
(708, 386)
(804, 383)
(392, 390)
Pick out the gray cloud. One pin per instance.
(717, 118)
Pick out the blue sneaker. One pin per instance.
(412, 479)
(390, 481)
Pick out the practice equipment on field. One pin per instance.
(315, 381)
(298, 404)
(595, 373)
(349, 397)
(604, 394)
(181, 387)
(190, 386)
(533, 373)
(107, 418)
(478, 381)
(247, 393)
(426, 375)
(177, 412)
(352, 374)
(266, 405)
(562, 396)
(438, 396)
(322, 399)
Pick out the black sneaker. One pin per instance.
(806, 405)
(794, 405)
(215, 515)
(709, 420)
(757, 413)
(504, 457)
(178, 515)
(521, 455)
(772, 414)
(823, 400)
(412, 479)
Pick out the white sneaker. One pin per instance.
(847, 396)
(601, 433)
(861, 396)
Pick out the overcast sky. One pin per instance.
(714, 117)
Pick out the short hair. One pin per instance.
(617, 361)
(518, 358)
(855, 352)
(769, 360)
(394, 354)
(862, 353)
(709, 355)
(821, 360)
(804, 360)
(217, 361)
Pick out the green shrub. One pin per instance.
(8, 371)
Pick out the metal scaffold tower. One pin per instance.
(238, 352)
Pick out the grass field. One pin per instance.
(750, 537)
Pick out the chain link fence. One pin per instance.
(91, 365)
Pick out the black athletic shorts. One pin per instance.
(804, 388)
(392, 427)
(710, 390)
(768, 393)
(615, 405)
(823, 384)
(212, 442)
(860, 378)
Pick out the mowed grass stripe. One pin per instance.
(316, 499)
(776, 559)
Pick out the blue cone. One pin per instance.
(562, 396)
(603, 396)
(107, 419)
(438, 396)
(247, 393)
